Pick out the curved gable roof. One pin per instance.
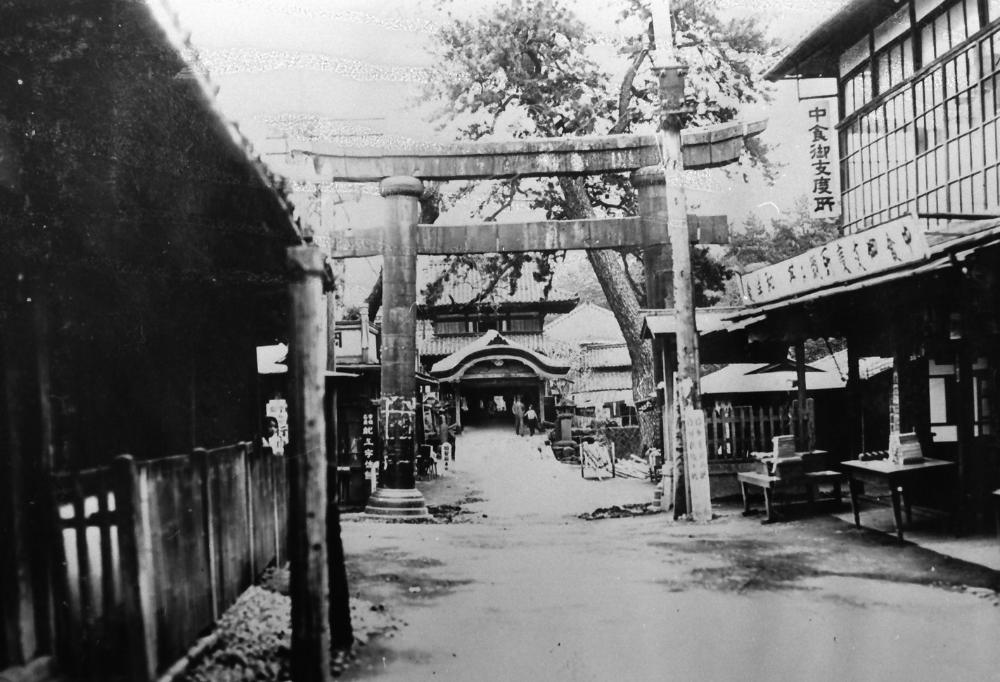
(494, 346)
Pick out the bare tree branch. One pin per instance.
(513, 188)
(625, 92)
(491, 285)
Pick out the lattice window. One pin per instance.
(930, 146)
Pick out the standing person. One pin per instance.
(272, 439)
(531, 419)
(517, 409)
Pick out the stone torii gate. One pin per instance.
(399, 239)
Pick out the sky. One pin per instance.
(357, 65)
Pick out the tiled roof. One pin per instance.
(603, 380)
(829, 372)
(588, 398)
(586, 322)
(465, 286)
(433, 346)
(195, 73)
(867, 367)
(606, 355)
(742, 377)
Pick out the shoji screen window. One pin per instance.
(948, 28)
(856, 76)
(878, 172)
(990, 93)
(950, 137)
(895, 64)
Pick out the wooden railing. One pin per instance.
(735, 432)
(155, 550)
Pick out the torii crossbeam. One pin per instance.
(319, 161)
(542, 235)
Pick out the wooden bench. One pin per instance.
(786, 474)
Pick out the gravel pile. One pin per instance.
(449, 513)
(254, 641)
(254, 635)
(620, 511)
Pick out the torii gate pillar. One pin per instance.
(657, 259)
(397, 494)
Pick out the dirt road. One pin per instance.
(518, 588)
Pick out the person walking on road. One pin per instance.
(517, 409)
(531, 420)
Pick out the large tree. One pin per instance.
(523, 69)
(758, 244)
(787, 235)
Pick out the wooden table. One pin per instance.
(897, 477)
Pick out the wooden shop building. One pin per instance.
(914, 277)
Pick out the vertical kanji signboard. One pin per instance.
(824, 189)
(371, 450)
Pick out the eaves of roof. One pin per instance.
(818, 53)
(945, 249)
(196, 77)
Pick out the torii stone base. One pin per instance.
(402, 504)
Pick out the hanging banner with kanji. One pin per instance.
(854, 256)
(819, 116)
(398, 417)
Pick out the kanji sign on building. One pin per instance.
(848, 258)
(824, 192)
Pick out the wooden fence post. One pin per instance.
(200, 460)
(136, 571)
(87, 616)
(248, 501)
(279, 485)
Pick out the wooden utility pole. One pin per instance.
(691, 455)
(307, 534)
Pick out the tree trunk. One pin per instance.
(624, 304)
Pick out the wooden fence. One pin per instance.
(155, 550)
(735, 432)
(627, 440)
